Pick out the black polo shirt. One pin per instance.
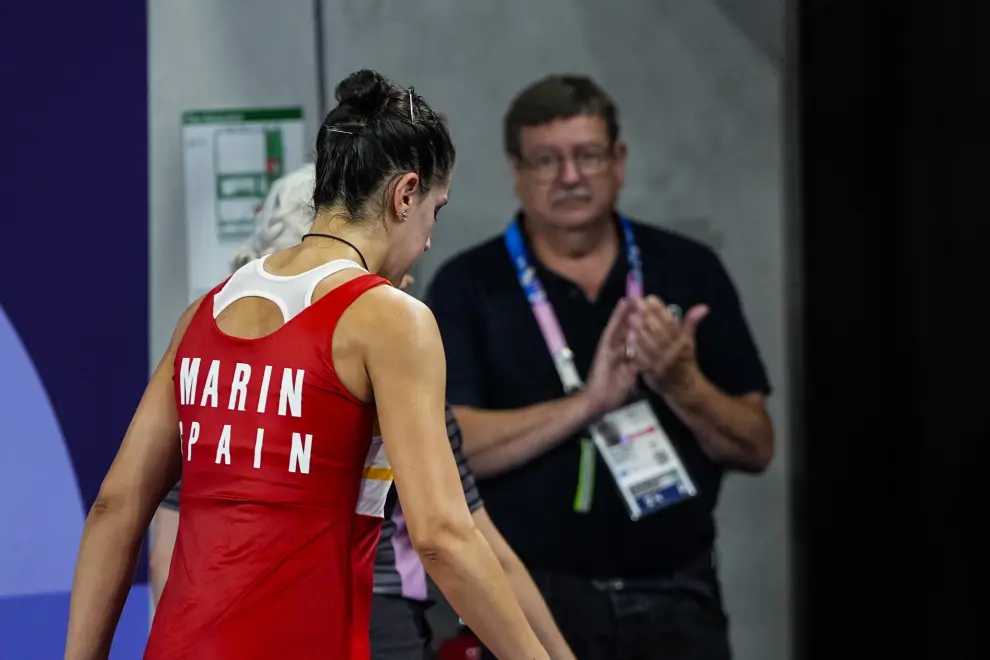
(497, 359)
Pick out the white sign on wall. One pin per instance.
(231, 158)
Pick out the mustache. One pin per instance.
(579, 193)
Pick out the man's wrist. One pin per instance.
(589, 406)
(687, 384)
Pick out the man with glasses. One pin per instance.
(604, 378)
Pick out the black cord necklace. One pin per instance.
(345, 242)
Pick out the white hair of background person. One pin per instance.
(285, 216)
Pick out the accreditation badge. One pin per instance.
(644, 464)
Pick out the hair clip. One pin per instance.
(332, 129)
(412, 117)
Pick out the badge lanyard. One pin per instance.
(563, 357)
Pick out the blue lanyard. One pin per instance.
(545, 316)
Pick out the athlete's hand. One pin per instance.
(613, 374)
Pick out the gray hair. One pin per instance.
(285, 216)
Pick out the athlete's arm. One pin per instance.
(146, 466)
(405, 362)
(528, 595)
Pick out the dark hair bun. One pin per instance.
(367, 92)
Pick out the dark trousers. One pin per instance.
(674, 618)
(399, 630)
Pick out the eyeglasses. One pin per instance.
(548, 166)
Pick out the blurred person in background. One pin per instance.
(577, 316)
(276, 539)
(399, 627)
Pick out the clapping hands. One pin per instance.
(642, 338)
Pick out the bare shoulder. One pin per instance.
(382, 336)
(391, 319)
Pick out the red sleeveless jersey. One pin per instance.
(282, 496)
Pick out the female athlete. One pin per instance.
(266, 401)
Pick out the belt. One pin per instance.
(698, 570)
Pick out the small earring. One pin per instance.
(405, 215)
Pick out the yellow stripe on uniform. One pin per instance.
(377, 473)
(376, 481)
